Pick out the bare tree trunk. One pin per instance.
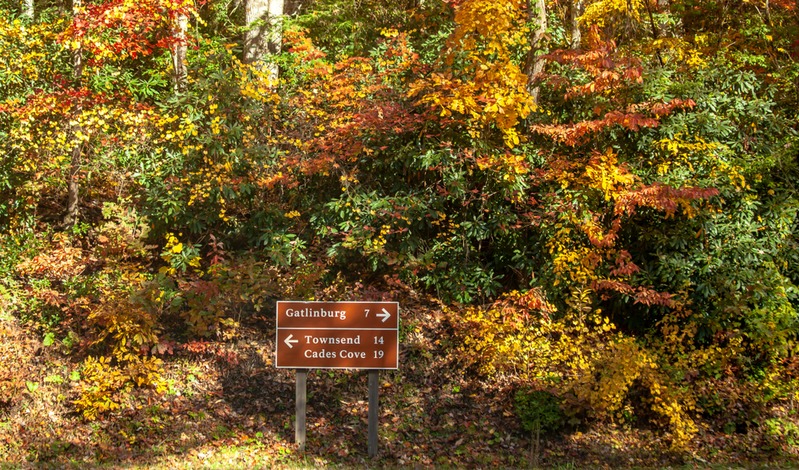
(179, 53)
(663, 7)
(535, 63)
(27, 9)
(575, 10)
(291, 7)
(628, 21)
(767, 11)
(655, 31)
(73, 185)
(263, 37)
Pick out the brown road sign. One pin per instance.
(337, 335)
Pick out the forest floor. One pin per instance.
(228, 407)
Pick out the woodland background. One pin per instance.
(587, 210)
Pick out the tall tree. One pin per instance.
(575, 10)
(73, 185)
(663, 7)
(179, 51)
(263, 36)
(534, 64)
(27, 9)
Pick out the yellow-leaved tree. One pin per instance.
(479, 79)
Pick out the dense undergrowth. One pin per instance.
(611, 242)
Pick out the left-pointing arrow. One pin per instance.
(288, 341)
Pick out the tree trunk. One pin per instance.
(663, 7)
(575, 10)
(179, 52)
(535, 63)
(628, 22)
(263, 37)
(292, 7)
(767, 10)
(73, 185)
(27, 9)
(655, 30)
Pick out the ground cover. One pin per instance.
(227, 406)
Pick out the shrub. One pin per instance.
(539, 410)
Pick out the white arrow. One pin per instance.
(384, 315)
(288, 341)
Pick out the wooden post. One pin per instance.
(301, 401)
(374, 391)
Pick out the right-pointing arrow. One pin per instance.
(288, 341)
(385, 315)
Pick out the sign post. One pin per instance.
(374, 411)
(300, 396)
(337, 335)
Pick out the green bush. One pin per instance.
(539, 409)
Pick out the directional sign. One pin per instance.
(337, 335)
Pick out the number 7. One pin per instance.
(367, 313)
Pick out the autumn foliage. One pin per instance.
(620, 245)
